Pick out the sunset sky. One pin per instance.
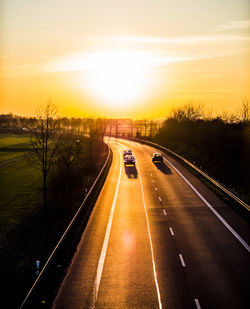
(123, 58)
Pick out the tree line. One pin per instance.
(218, 145)
(86, 125)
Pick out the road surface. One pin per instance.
(158, 238)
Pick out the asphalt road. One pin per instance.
(158, 238)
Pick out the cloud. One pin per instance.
(102, 59)
(233, 25)
(146, 52)
(188, 40)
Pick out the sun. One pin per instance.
(114, 78)
(117, 77)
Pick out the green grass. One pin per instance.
(14, 140)
(6, 156)
(19, 182)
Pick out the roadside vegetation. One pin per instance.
(220, 146)
(32, 216)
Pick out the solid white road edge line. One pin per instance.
(151, 244)
(106, 239)
(197, 303)
(212, 209)
(182, 260)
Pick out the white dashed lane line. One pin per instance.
(156, 189)
(197, 303)
(159, 198)
(182, 260)
(171, 231)
(164, 212)
(151, 243)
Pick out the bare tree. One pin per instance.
(244, 111)
(145, 124)
(131, 128)
(116, 127)
(188, 112)
(44, 142)
(110, 126)
(228, 117)
(93, 133)
(152, 128)
(139, 126)
(102, 124)
(69, 150)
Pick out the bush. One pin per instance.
(221, 149)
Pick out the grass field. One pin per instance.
(7, 155)
(19, 182)
(13, 140)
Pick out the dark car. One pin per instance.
(157, 157)
(129, 160)
(127, 152)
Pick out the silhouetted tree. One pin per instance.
(44, 142)
(101, 126)
(110, 126)
(220, 146)
(244, 113)
(152, 128)
(145, 124)
(189, 112)
(69, 150)
(138, 127)
(116, 127)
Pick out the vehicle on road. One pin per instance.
(129, 160)
(127, 152)
(157, 157)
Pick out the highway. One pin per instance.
(158, 238)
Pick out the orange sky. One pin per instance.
(124, 58)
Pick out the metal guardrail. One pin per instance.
(216, 183)
(64, 234)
